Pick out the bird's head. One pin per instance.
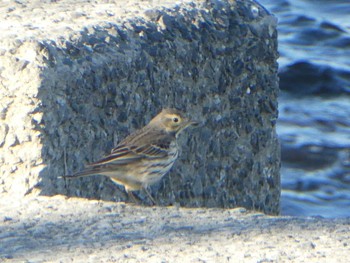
(172, 121)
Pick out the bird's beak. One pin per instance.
(191, 123)
(186, 124)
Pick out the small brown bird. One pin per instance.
(145, 156)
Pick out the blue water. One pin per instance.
(314, 122)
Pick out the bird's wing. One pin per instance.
(121, 155)
(125, 153)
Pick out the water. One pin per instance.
(314, 123)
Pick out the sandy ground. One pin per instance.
(61, 229)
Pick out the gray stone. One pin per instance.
(75, 87)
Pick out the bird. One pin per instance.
(145, 156)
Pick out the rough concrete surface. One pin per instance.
(78, 76)
(61, 229)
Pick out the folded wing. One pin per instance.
(124, 154)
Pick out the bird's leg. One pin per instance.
(149, 196)
(132, 196)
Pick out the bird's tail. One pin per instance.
(86, 172)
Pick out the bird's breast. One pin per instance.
(155, 169)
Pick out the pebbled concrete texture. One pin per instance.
(61, 229)
(78, 76)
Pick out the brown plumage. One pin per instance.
(145, 156)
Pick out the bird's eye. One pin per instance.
(175, 119)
